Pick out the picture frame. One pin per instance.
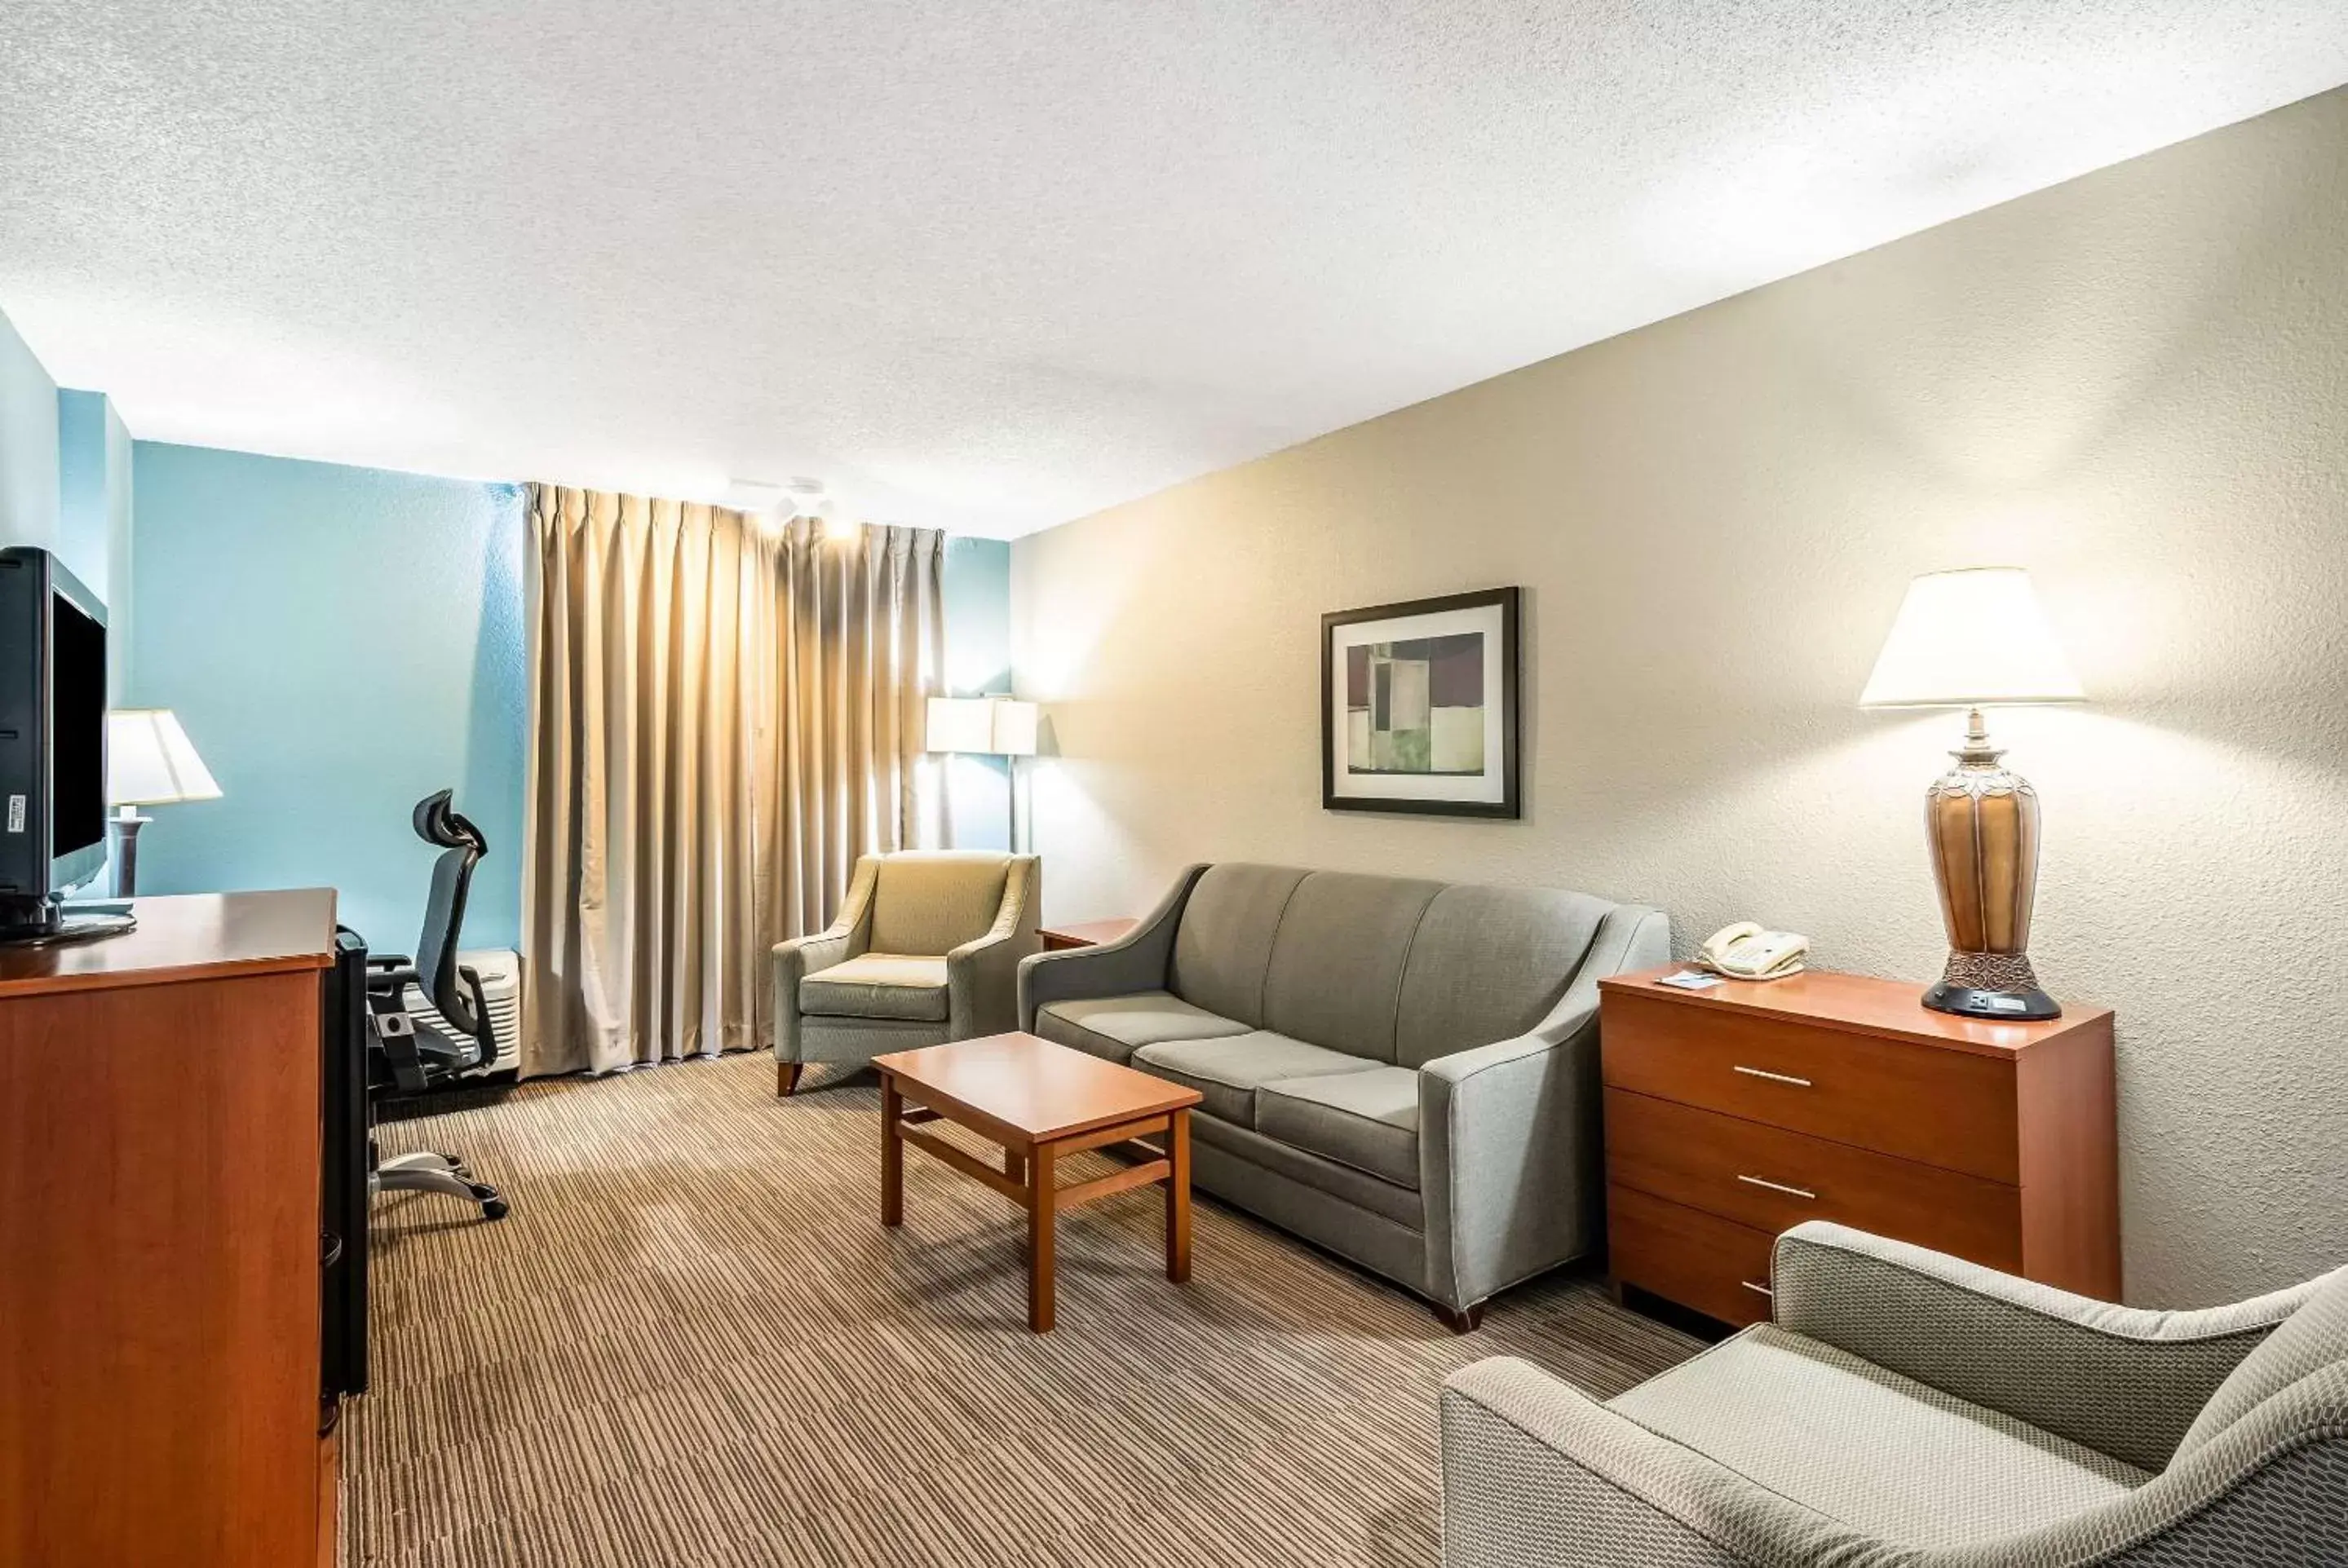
(1419, 706)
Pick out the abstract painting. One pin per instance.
(1419, 706)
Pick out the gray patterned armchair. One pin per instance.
(1908, 1409)
(924, 949)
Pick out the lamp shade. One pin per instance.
(149, 761)
(961, 725)
(1971, 639)
(1014, 728)
(994, 726)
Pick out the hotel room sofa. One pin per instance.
(1404, 1072)
(1908, 1409)
(925, 950)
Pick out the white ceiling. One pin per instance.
(986, 265)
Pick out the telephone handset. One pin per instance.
(1746, 952)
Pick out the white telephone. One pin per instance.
(1745, 952)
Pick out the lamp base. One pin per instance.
(2007, 1006)
(1992, 986)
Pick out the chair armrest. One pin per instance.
(1508, 1134)
(1535, 1473)
(2124, 1381)
(800, 957)
(1140, 960)
(982, 974)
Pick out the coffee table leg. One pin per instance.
(893, 1153)
(1041, 1185)
(1177, 1198)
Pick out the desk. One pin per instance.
(160, 1223)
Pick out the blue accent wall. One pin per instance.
(28, 445)
(977, 593)
(94, 515)
(339, 643)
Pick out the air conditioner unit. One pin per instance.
(501, 972)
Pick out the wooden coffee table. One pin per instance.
(1039, 1100)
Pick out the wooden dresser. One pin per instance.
(1737, 1113)
(159, 1241)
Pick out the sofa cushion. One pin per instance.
(877, 985)
(931, 903)
(1365, 1119)
(1225, 937)
(1113, 1026)
(1337, 961)
(1488, 964)
(1878, 1452)
(1228, 1071)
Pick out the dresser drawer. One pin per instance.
(1773, 1179)
(1715, 1265)
(1944, 1107)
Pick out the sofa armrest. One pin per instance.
(982, 974)
(2122, 1380)
(1535, 1473)
(1140, 960)
(800, 957)
(1508, 1134)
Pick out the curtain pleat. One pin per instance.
(721, 721)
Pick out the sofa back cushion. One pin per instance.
(1488, 964)
(2313, 1338)
(930, 903)
(1337, 961)
(1224, 943)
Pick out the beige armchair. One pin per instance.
(926, 949)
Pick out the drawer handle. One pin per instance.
(1776, 1077)
(1758, 1290)
(1779, 1187)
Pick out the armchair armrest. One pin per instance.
(800, 957)
(982, 974)
(1535, 1473)
(1508, 1139)
(2124, 1381)
(1140, 960)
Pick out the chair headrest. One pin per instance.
(437, 821)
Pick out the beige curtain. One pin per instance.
(722, 719)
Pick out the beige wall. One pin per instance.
(2136, 384)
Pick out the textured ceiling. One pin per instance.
(992, 265)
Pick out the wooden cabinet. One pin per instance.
(1737, 1113)
(159, 1225)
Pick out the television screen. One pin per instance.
(78, 729)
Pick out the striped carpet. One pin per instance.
(693, 1344)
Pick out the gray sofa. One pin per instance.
(1907, 1409)
(1404, 1072)
(925, 950)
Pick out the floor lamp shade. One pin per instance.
(149, 761)
(1972, 640)
(990, 726)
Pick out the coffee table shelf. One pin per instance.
(1040, 1102)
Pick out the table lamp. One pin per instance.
(986, 726)
(148, 762)
(1974, 639)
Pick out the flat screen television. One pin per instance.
(52, 739)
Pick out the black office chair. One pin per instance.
(407, 1056)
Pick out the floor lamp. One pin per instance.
(991, 727)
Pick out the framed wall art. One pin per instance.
(1418, 706)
